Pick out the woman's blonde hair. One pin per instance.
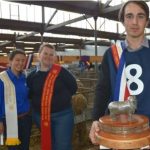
(45, 45)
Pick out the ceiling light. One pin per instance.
(9, 47)
(28, 51)
(29, 48)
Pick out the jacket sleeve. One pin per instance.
(29, 82)
(102, 91)
(70, 81)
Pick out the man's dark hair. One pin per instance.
(141, 4)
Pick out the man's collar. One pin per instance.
(145, 43)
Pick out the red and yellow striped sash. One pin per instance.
(46, 141)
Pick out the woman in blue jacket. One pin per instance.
(15, 120)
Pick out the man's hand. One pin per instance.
(1, 127)
(94, 128)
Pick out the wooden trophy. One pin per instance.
(123, 129)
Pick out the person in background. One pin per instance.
(15, 119)
(51, 89)
(128, 60)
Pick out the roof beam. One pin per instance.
(36, 27)
(67, 22)
(111, 9)
(48, 29)
(107, 3)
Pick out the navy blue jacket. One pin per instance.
(65, 86)
(139, 78)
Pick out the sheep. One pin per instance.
(123, 107)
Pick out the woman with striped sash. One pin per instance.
(51, 88)
(15, 120)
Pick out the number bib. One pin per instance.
(134, 79)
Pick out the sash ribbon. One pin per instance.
(121, 90)
(10, 110)
(46, 140)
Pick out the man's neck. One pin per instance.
(135, 43)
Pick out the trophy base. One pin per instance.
(122, 133)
